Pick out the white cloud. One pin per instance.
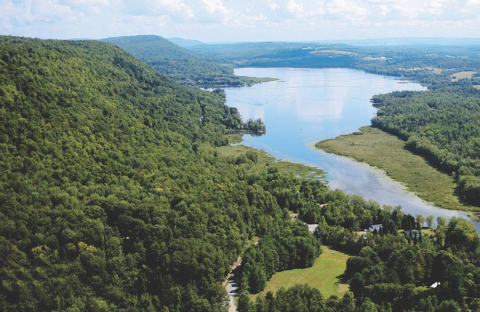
(233, 19)
(88, 2)
(216, 8)
(40, 11)
(347, 9)
(177, 6)
(272, 5)
(384, 9)
(143, 24)
(294, 7)
(473, 3)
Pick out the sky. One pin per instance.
(241, 20)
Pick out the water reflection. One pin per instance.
(308, 105)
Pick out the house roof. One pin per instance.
(374, 227)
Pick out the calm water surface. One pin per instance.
(308, 105)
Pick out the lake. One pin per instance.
(309, 105)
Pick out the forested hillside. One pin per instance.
(182, 65)
(111, 196)
(442, 125)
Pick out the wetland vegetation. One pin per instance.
(389, 153)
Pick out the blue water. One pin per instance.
(309, 105)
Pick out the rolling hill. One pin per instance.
(111, 195)
(182, 65)
(185, 43)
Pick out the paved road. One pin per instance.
(232, 282)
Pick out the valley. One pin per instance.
(127, 187)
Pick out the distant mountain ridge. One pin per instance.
(413, 41)
(180, 64)
(185, 43)
(150, 47)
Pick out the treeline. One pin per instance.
(293, 248)
(232, 119)
(301, 298)
(441, 125)
(431, 66)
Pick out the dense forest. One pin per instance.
(401, 267)
(181, 65)
(114, 198)
(443, 126)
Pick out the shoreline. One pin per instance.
(353, 146)
(400, 189)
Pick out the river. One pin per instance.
(309, 105)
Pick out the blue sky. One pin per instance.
(241, 20)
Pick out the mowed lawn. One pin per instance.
(323, 275)
(387, 152)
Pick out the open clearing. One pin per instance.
(323, 275)
(435, 70)
(385, 151)
(463, 75)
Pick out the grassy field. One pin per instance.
(462, 75)
(435, 69)
(265, 159)
(323, 275)
(235, 138)
(387, 152)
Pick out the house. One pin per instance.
(435, 285)
(374, 228)
(412, 234)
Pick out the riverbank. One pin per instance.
(265, 159)
(254, 80)
(387, 152)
